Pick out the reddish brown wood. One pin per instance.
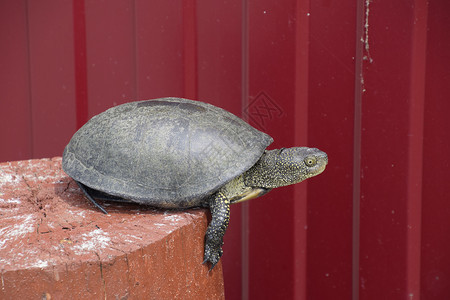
(54, 243)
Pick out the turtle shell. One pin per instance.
(168, 152)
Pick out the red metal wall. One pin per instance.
(366, 81)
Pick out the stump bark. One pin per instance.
(54, 244)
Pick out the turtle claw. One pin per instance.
(212, 254)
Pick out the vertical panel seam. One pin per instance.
(244, 105)
(361, 44)
(415, 147)
(136, 93)
(190, 49)
(80, 60)
(302, 38)
(30, 94)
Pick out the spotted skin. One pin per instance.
(275, 168)
(286, 166)
(220, 212)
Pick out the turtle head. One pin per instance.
(286, 166)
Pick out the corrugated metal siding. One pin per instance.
(366, 81)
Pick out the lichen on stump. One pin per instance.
(55, 244)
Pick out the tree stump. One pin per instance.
(54, 244)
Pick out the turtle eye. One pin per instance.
(310, 161)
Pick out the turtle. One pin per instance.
(175, 153)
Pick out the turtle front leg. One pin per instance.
(220, 212)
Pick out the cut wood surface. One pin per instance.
(54, 244)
